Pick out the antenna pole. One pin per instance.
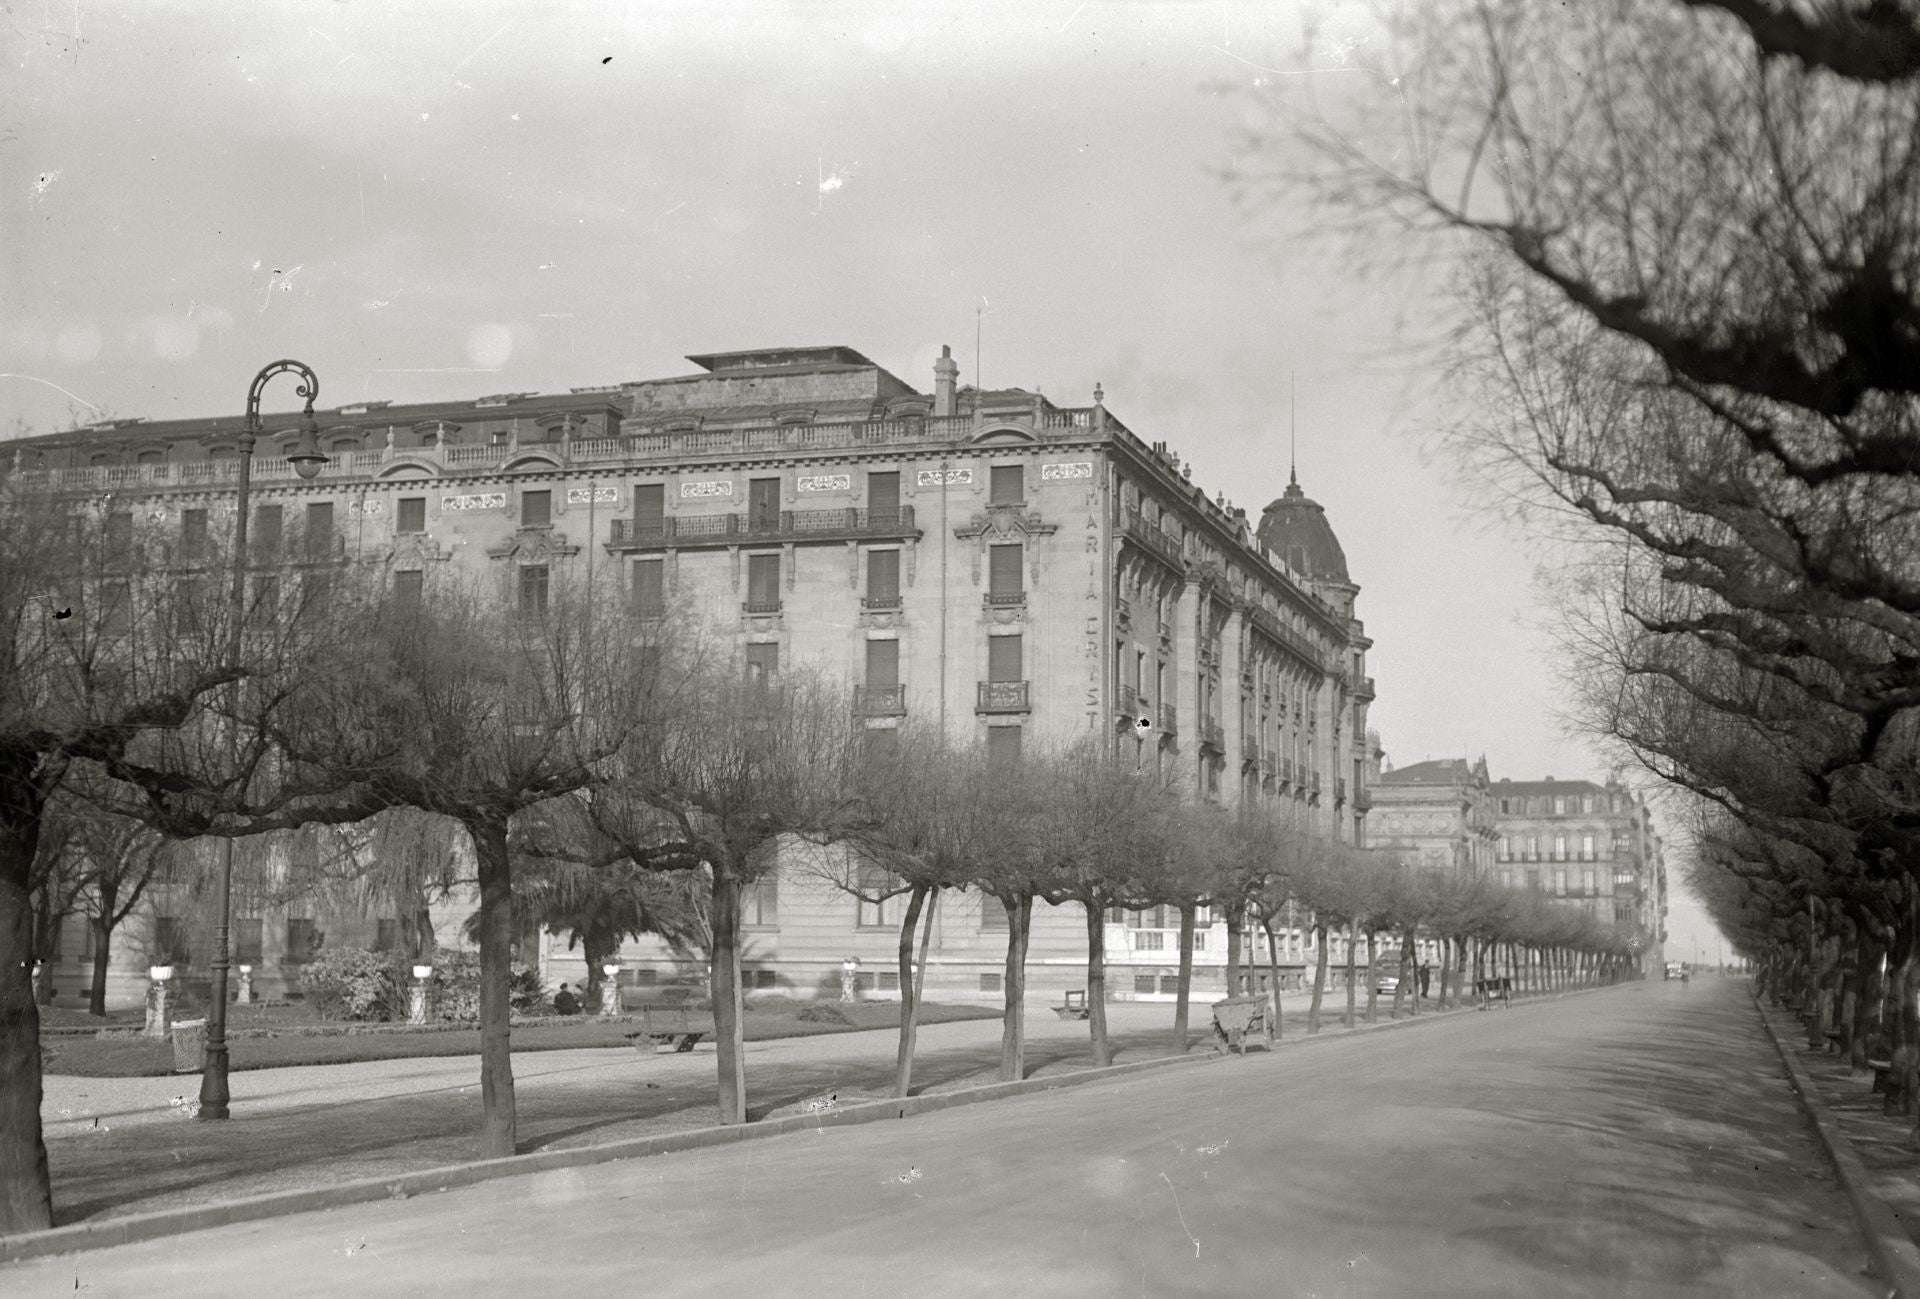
(976, 348)
(1293, 433)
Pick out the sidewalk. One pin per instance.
(1884, 1145)
(119, 1145)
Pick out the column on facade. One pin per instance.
(1233, 698)
(1185, 674)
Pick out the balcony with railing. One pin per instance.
(1212, 736)
(1169, 720)
(1250, 750)
(1004, 599)
(1003, 697)
(1314, 784)
(760, 607)
(690, 531)
(1362, 799)
(1126, 701)
(1339, 789)
(879, 602)
(1267, 624)
(880, 701)
(1363, 689)
(1152, 538)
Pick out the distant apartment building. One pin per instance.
(1437, 816)
(1015, 572)
(1585, 845)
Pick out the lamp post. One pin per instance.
(417, 995)
(610, 989)
(307, 459)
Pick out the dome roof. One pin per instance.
(1296, 529)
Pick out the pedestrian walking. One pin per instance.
(1426, 978)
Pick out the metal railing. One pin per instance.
(1169, 720)
(1152, 537)
(1127, 700)
(880, 701)
(782, 524)
(1002, 697)
(1005, 599)
(1211, 736)
(760, 606)
(880, 601)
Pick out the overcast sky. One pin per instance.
(443, 202)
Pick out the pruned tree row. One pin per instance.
(1681, 246)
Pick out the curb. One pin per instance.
(1894, 1252)
(109, 1232)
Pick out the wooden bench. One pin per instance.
(671, 1026)
(1076, 1007)
(1236, 1020)
(1488, 989)
(1883, 1082)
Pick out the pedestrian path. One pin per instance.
(1884, 1142)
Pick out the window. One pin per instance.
(536, 509)
(763, 583)
(1533, 847)
(1587, 883)
(1004, 658)
(883, 664)
(413, 514)
(760, 903)
(889, 981)
(266, 599)
(319, 529)
(170, 942)
(763, 660)
(883, 499)
(268, 522)
(1170, 985)
(649, 588)
(303, 940)
(1586, 848)
(342, 445)
(763, 504)
(1559, 847)
(1149, 940)
(193, 535)
(533, 589)
(119, 538)
(1004, 585)
(883, 579)
(765, 979)
(1506, 806)
(873, 881)
(989, 983)
(1560, 883)
(649, 509)
(1143, 984)
(386, 935)
(1559, 805)
(408, 589)
(1003, 746)
(246, 940)
(1009, 485)
(993, 912)
(116, 609)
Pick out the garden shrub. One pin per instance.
(353, 983)
(822, 1012)
(454, 993)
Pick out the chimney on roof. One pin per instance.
(946, 378)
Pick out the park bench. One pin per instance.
(1488, 989)
(670, 1026)
(1076, 1007)
(1883, 1080)
(1237, 1019)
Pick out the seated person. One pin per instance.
(564, 1002)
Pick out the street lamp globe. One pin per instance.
(307, 457)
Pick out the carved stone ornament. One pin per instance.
(534, 546)
(415, 550)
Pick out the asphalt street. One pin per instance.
(1633, 1141)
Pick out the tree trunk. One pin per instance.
(102, 937)
(1273, 970)
(1186, 979)
(1852, 978)
(497, 1124)
(1097, 984)
(724, 979)
(909, 927)
(1868, 1029)
(1373, 984)
(26, 1191)
(1353, 937)
(1319, 977)
(1236, 920)
(1013, 1026)
(1446, 971)
(1406, 974)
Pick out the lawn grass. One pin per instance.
(135, 1057)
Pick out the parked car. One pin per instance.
(1386, 984)
(1676, 970)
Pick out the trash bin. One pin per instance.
(189, 1045)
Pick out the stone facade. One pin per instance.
(1438, 816)
(1018, 572)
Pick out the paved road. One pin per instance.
(1637, 1141)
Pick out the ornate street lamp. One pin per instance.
(307, 459)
